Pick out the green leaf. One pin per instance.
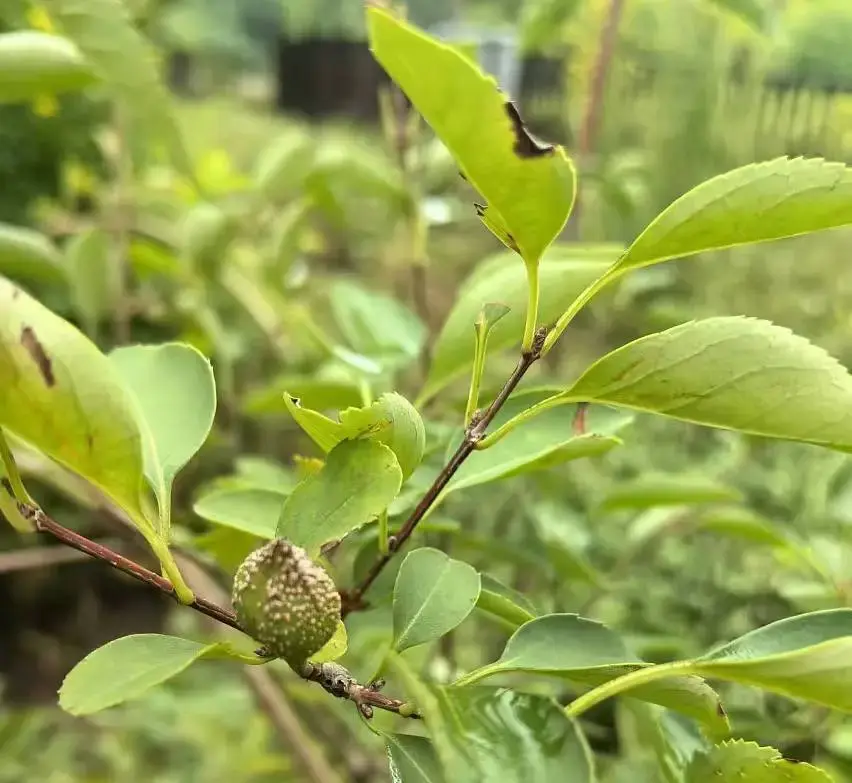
(563, 273)
(756, 203)
(586, 652)
(313, 392)
(503, 602)
(376, 325)
(745, 525)
(733, 373)
(90, 273)
(753, 12)
(668, 490)
(413, 759)
(544, 441)
(433, 594)
(28, 255)
(325, 432)
(358, 481)
(284, 164)
(391, 420)
(335, 647)
(512, 737)
(543, 22)
(125, 668)
(206, 233)
(737, 761)
(175, 393)
(251, 510)
(124, 60)
(804, 657)
(529, 186)
(34, 63)
(65, 398)
(264, 473)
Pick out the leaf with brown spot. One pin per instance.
(526, 145)
(528, 186)
(35, 349)
(61, 395)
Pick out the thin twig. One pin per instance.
(44, 524)
(48, 526)
(337, 680)
(353, 599)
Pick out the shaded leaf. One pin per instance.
(511, 737)
(126, 668)
(733, 373)
(586, 652)
(412, 759)
(433, 594)
(175, 392)
(376, 325)
(737, 761)
(65, 398)
(668, 490)
(510, 606)
(528, 185)
(564, 273)
(252, 510)
(359, 480)
(33, 63)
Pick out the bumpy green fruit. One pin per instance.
(286, 601)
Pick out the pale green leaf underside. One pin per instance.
(433, 594)
(533, 192)
(738, 761)
(759, 202)
(61, 395)
(34, 64)
(733, 373)
(587, 652)
(358, 481)
(563, 274)
(125, 668)
(175, 395)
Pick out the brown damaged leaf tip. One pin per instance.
(526, 145)
(35, 349)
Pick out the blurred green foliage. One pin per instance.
(673, 581)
